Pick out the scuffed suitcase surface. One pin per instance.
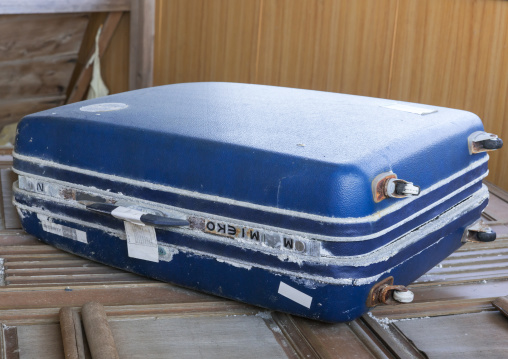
(276, 185)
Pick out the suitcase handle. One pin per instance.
(133, 215)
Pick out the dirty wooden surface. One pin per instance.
(451, 316)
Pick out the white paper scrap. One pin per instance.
(141, 242)
(64, 231)
(128, 214)
(411, 109)
(295, 295)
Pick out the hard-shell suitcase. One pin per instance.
(313, 203)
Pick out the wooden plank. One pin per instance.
(14, 110)
(497, 191)
(11, 217)
(98, 331)
(18, 239)
(71, 329)
(115, 62)
(442, 58)
(471, 336)
(40, 341)
(501, 304)
(335, 340)
(112, 294)
(10, 342)
(71, 279)
(62, 6)
(433, 309)
(201, 40)
(213, 337)
(27, 316)
(46, 76)
(327, 45)
(293, 333)
(30, 36)
(142, 32)
(392, 338)
(83, 79)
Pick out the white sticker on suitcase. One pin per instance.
(64, 231)
(411, 109)
(141, 242)
(295, 295)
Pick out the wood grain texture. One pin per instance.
(449, 53)
(454, 54)
(29, 36)
(43, 76)
(115, 62)
(339, 46)
(37, 57)
(13, 110)
(142, 31)
(201, 337)
(200, 40)
(468, 336)
(84, 77)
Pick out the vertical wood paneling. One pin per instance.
(202, 40)
(454, 53)
(341, 46)
(115, 62)
(449, 52)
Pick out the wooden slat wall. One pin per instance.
(37, 56)
(453, 53)
(442, 52)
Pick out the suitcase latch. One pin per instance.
(388, 185)
(481, 141)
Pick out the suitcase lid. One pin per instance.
(305, 151)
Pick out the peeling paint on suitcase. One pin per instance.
(275, 184)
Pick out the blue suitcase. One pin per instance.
(312, 203)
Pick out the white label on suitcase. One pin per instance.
(63, 231)
(141, 242)
(295, 295)
(410, 109)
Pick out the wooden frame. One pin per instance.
(142, 27)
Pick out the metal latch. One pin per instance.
(134, 215)
(481, 141)
(385, 292)
(388, 185)
(478, 232)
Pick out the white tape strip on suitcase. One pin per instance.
(295, 295)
